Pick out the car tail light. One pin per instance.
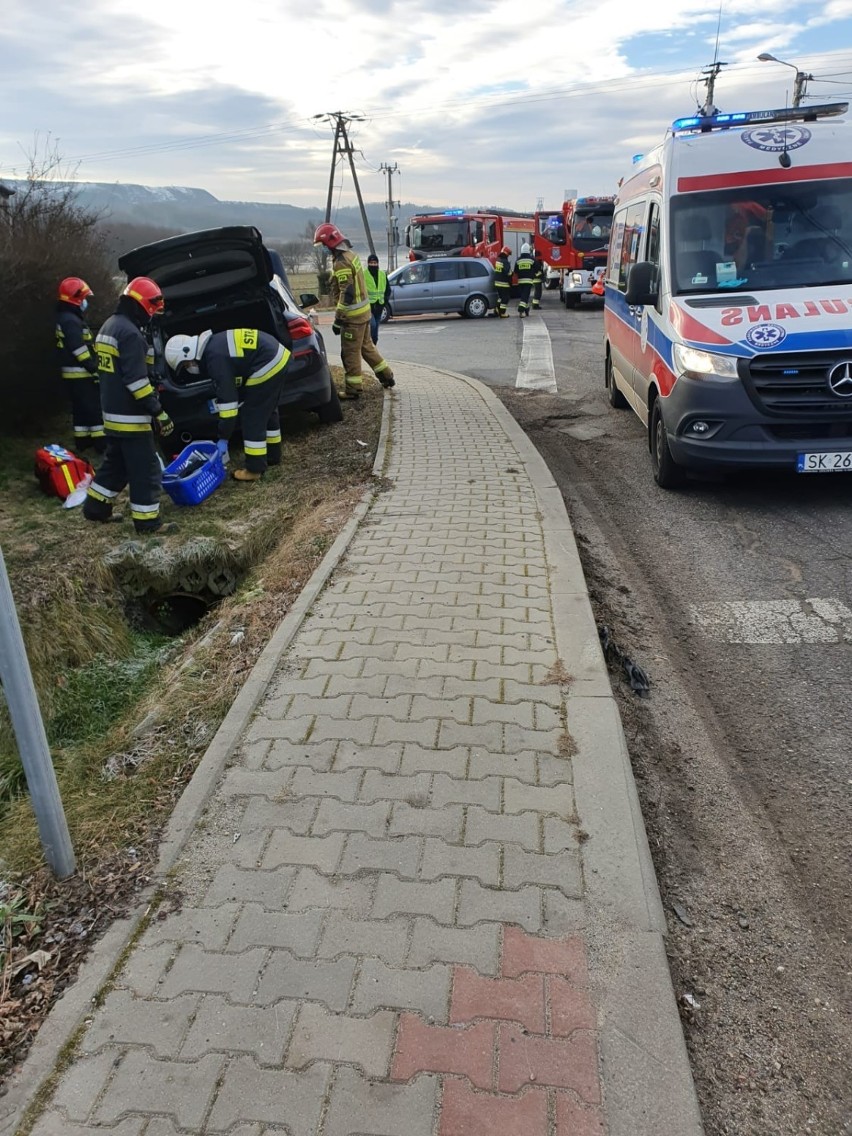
(300, 328)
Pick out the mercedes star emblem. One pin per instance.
(840, 379)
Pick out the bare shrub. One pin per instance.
(44, 236)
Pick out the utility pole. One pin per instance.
(21, 698)
(393, 231)
(342, 146)
(709, 81)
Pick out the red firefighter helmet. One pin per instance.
(146, 292)
(74, 290)
(328, 235)
(506, 251)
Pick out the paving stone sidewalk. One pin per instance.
(384, 926)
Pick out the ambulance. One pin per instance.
(728, 294)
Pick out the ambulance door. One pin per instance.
(622, 320)
(649, 317)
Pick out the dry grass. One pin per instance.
(120, 782)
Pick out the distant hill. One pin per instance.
(185, 209)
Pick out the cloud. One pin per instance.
(487, 102)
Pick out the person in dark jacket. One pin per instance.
(378, 293)
(131, 412)
(524, 269)
(503, 281)
(538, 281)
(78, 364)
(246, 368)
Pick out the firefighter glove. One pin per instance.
(164, 424)
(335, 327)
(222, 446)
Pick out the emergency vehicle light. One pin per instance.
(781, 114)
(453, 213)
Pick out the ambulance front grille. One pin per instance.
(796, 383)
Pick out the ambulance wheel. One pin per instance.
(667, 474)
(616, 399)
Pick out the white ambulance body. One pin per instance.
(728, 311)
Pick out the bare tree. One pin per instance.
(46, 235)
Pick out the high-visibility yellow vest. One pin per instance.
(376, 288)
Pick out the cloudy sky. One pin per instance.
(480, 101)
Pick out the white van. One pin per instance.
(728, 308)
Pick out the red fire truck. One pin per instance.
(573, 243)
(458, 233)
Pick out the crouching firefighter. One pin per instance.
(352, 312)
(246, 368)
(78, 364)
(131, 411)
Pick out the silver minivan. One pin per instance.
(463, 284)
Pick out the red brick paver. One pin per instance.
(523, 953)
(573, 1119)
(509, 999)
(468, 1052)
(467, 1113)
(563, 1064)
(570, 1008)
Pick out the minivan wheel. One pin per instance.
(572, 300)
(616, 399)
(476, 307)
(667, 474)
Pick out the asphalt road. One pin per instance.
(736, 597)
(754, 574)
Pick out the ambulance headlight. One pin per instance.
(704, 365)
(577, 278)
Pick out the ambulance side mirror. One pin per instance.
(642, 285)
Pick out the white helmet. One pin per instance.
(184, 350)
(525, 249)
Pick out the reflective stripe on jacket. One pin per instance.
(74, 344)
(348, 288)
(128, 400)
(524, 268)
(503, 272)
(241, 358)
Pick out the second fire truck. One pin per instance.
(572, 242)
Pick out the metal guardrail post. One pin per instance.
(22, 700)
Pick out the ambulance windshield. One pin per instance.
(791, 236)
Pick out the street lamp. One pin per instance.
(801, 81)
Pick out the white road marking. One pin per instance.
(411, 329)
(536, 368)
(758, 622)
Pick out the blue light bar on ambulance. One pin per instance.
(785, 114)
(453, 213)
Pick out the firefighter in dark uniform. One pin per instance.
(378, 293)
(524, 269)
(78, 363)
(131, 413)
(351, 312)
(503, 281)
(538, 281)
(246, 368)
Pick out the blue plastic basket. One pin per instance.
(193, 489)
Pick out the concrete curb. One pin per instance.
(68, 1014)
(647, 1080)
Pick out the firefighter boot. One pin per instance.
(246, 475)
